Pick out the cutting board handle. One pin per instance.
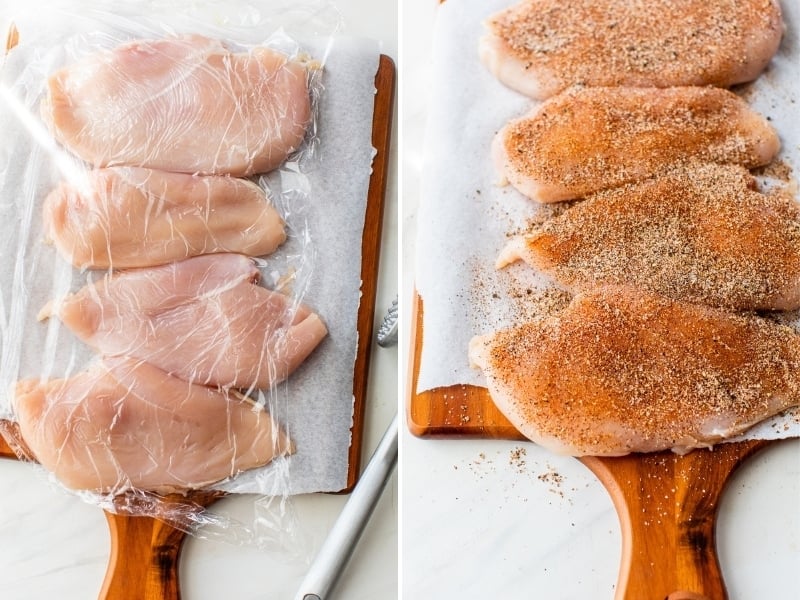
(667, 507)
(144, 556)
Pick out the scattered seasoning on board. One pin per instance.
(498, 298)
(777, 169)
(552, 478)
(517, 459)
(543, 214)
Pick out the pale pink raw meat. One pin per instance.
(126, 217)
(185, 104)
(193, 321)
(124, 424)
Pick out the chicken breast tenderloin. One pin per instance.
(131, 217)
(124, 424)
(542, 47)
(700, 233)
(195, 321)
(185, 104)
(587, 140)
(622, 370)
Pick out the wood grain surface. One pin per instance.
(370, 253)
(145, 551)
(5, 450)
(667, 504)
(667, 507)
(459, 410)
(145, 554)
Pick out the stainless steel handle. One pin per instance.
(387, 332)
(342, 539)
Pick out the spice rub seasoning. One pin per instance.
(587, 140)
(541, 47)
(623, 370)
(700, 233)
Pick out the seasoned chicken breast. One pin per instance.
(701, 234)
(592, 139)
(185, 104)
(195, 322)
(622, 370)
(124, 424)
(131, 217)
(542, 47)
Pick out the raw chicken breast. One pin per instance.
(124, 424)
(592, 139)
(542, 47)
(160, 289)
(622, 370)
(192, 321)
(184, 104)
(130, 217)
(701, 234)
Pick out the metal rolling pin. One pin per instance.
(342, 539)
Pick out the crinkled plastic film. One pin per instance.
(163, 156)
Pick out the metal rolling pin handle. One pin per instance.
(347, 529)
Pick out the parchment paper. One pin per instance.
(318, 407)
(322, 200)
(465, 218)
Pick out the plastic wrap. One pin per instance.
(175, 296)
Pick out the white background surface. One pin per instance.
(54, 546)
(477, 524)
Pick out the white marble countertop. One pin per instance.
(479, 523)
(52, 545)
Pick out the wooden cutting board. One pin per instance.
(145, 552)
(672, 557)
